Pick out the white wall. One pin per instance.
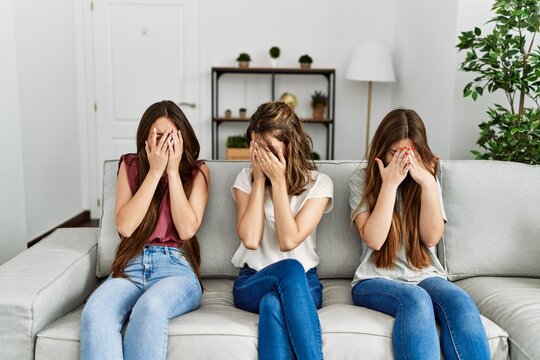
(425, 65)
(327, 30)
(45, 50)
(12, 204)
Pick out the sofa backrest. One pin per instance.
(337, 243)
(493, 212)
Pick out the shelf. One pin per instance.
(237, 119)
(264, 70)
(274, 75)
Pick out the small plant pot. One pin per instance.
(237, 154)
(228, 113)
(242, 114)
(274, 63)
(243, 64)
(305, 65)
(319, 112)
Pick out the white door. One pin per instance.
(144, 51)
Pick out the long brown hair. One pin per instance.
(397, 125)
(130, 247)
(279, 120)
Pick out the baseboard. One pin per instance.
(73, 222)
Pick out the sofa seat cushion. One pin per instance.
(218, 330)
(514, 304)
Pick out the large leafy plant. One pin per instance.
(508, 60)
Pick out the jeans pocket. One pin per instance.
(177, 258)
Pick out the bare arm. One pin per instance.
(374, 227)
(131, 209)
(187, 214)
(431, 219)
(250, 207)
(291, 230)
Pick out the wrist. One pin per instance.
(388, 186)
(429, 184)
(279, 182)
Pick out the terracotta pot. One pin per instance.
(319, 112)
(305, 65)
(243, 64)
(237, 154)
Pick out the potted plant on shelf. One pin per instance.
(274, 55)
(243, 60)
(506, 59)
(228, 113)
(319, 101)
(237, 148)
(242, 113)
(305, 61)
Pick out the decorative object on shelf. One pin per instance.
(506, 59)
(289, 99)
(228, 113)
(237, 148)
(319, 102)
(243, 60)
(305, 61)
(242, 113)
(371, 62)
(274, 56)
(315, 155)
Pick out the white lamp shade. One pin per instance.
(371, 61)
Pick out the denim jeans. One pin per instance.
(416, 308)
(160, 286)
(286, 299)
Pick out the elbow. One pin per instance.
(287, 245)
(250, 245)
(124, 231)
(186, 235)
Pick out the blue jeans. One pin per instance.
(416, 308)
(161, 285)
(286, 299)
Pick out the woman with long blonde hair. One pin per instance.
(280, 200)
(161, 195)
(397, 207)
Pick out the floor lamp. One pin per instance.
(371, 62)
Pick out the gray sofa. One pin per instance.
(491, 248)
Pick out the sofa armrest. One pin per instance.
(43, 284)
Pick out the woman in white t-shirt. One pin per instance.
(397, 207)
(280, 201)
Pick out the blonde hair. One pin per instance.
(279, 120)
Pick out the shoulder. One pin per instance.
(201, 167)
(129, 161)
(321, 182)
(358, 177)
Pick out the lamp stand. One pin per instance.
(368, 116)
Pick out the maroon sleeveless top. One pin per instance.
(165, 233)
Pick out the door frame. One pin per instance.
(87, 99)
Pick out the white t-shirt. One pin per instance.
(268, 251)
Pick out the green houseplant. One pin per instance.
(237, 147)
(243, 60)
(319, 101)
(506, 59)
(274, 55)
(305, 61)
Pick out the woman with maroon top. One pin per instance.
(161, 195)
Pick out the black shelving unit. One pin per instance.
(329, 74)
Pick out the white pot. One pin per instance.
(274, 62)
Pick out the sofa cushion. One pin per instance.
(218, 330)
(514, 304)
(337, 243)
(493, 211)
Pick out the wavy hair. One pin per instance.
(397, 125)
(279, 120)
(130, 247)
